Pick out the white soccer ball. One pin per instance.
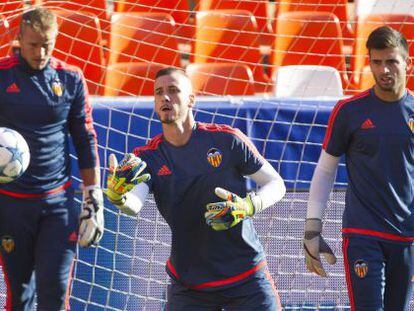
(14, 155)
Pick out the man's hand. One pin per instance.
(226, 214)
(314, 244)
(91, 226)
(125, 176)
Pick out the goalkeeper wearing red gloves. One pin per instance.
(197, 175)
(46, 101)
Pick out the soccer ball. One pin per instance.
(14, 155)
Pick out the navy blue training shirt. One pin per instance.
(45, 106)
(377, 139)
(183, 182)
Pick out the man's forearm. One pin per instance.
(321, 185)
(271, 187)
(90, 176)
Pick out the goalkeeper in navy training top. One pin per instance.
(46, 100)
(197, 174)
(375, 132)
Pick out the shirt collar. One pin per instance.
(25, 66)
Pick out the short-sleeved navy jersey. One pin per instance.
(45, 106)
(377, 139)
(183, 182)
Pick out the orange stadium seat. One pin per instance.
(131, 79)
(366, 24)
(96, 7)
(309, 38)
(79, 44)
(257, 7)
(230, 36)
(221, 79)
(178, 9)
(141, 37)
(337, 7)
(5, 41)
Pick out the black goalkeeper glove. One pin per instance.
(314, 245)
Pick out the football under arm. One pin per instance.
(271, 187)
(321, 185)
(135, 199)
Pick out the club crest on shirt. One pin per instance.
(410, 123)
(214, 157)
(361, 268)
(57, 88)
(7, 243)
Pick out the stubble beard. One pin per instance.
(167, 120)
(396, 87)
(391, 88)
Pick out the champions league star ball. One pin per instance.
(14, 155)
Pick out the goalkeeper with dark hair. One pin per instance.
(197, 174)
(375, 132)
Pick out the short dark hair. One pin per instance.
(169, 70)
(386, 37)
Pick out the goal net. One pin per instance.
(234, 52)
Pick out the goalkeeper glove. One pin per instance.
(226, 214)
(125, 176)
(314, 244)
(91, 217)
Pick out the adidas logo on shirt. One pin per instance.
(13, 88)
(367, 124)
(73, 237)
(164, 170)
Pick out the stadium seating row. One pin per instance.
(265, 11)
(134, 43)
(125, 79)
